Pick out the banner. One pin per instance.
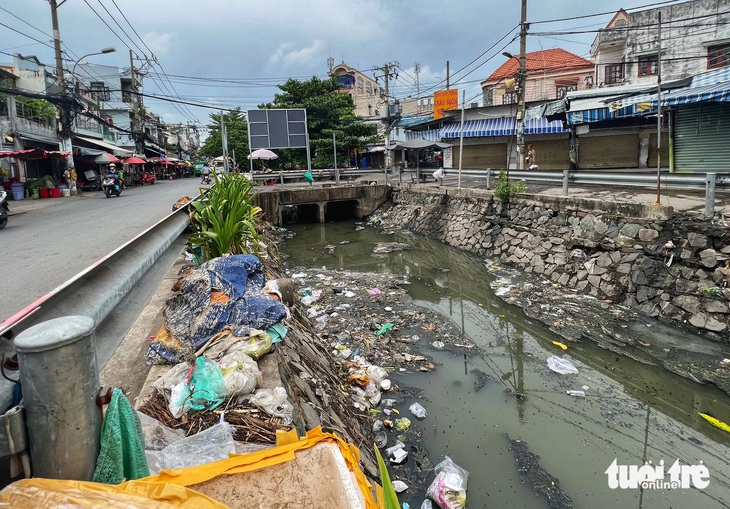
(445, 100)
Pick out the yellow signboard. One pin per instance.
(445, 100)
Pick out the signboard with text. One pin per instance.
(445, 100)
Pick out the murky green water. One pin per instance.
(632, 411)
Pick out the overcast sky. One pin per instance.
(229, 53)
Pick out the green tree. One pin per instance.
(237, 128)
(328, 112)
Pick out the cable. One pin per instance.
(640, 8)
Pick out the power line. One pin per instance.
(639, 8)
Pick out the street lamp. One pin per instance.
(520, 117)
(103, 51)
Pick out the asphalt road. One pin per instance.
(46, 242)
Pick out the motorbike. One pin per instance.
(112, 185)
(3, 209)
(206, 179)
(91, 181)
(148, 178)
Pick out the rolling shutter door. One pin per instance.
(482, 156)
(620, 151)
(701, 138)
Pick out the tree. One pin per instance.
(237, 128)
(328, 112)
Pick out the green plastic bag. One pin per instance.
(308, 177)
(206, 389)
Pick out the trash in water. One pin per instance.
(381, 439)
(438, 345)
(399, 486)
(417, 410)
(577, 394)
(386, 384)
(562, 366)
(448, 489)
(403, 423)
(560, 345)
(374, 291)
(385, 328)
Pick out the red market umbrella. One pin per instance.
(106, 158)
(134, 160)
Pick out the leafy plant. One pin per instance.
(391, 499)
(225, 222)
(505, 189)
(710, 291)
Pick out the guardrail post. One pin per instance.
(709, 194)
(566, 176)
(60, 381)
(281, 177)
(489, 178)
(337, 176)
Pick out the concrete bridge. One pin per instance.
(321, 204)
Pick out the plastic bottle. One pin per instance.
(577, 394)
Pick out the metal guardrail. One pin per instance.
(708, 181)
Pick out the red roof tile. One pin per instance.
(549, 60)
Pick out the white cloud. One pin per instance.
(314, 53)
(160, 44)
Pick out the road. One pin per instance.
(46, 246)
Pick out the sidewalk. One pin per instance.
(29, 204)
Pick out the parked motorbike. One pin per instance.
(91, 181)
(148, 178)
(112, 185)
(3, 209)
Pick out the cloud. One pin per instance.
(303, 57)
(160, 44)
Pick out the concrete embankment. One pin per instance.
(652, 260)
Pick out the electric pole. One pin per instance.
(523, 85)
(65, 105)
(389, 72)
(138, 135)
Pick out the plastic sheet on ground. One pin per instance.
(212, 444)
(223, 292)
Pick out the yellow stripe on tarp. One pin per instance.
(242, 463)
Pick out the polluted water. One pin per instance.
(528, 436)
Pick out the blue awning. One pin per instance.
(503, 126)
(719, 92)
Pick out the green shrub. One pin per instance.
(225, 221)
(505, 189)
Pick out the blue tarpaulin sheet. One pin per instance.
(226, 292)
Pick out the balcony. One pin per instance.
(610, 37)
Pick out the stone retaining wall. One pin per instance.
(620, 252)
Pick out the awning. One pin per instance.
(719, 92)
(107, 147)
(35, 153)
(39, 138)
(503, 126)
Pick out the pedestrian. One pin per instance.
(531, 158)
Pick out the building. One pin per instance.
(551, 74)
(695, 37)
(367, 95)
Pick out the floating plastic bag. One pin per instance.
(212, 444)
(448, 489)
(241, 373)
(560, 365)
(272, 401)
(417, 410)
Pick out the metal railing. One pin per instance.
(708, 181)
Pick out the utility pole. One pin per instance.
(659, 114)
(448, 75)
(417, 70)
(388, 71)
(520, 118)
(136, 113)
(64, 106)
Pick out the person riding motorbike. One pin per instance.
(205, 172)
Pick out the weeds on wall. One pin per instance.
(505, 189)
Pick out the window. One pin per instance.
(99, 91)
(614, 73)
(562, 90)
(509, 98)
(718, 56)
(648, 65)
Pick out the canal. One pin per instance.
(525, 442)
